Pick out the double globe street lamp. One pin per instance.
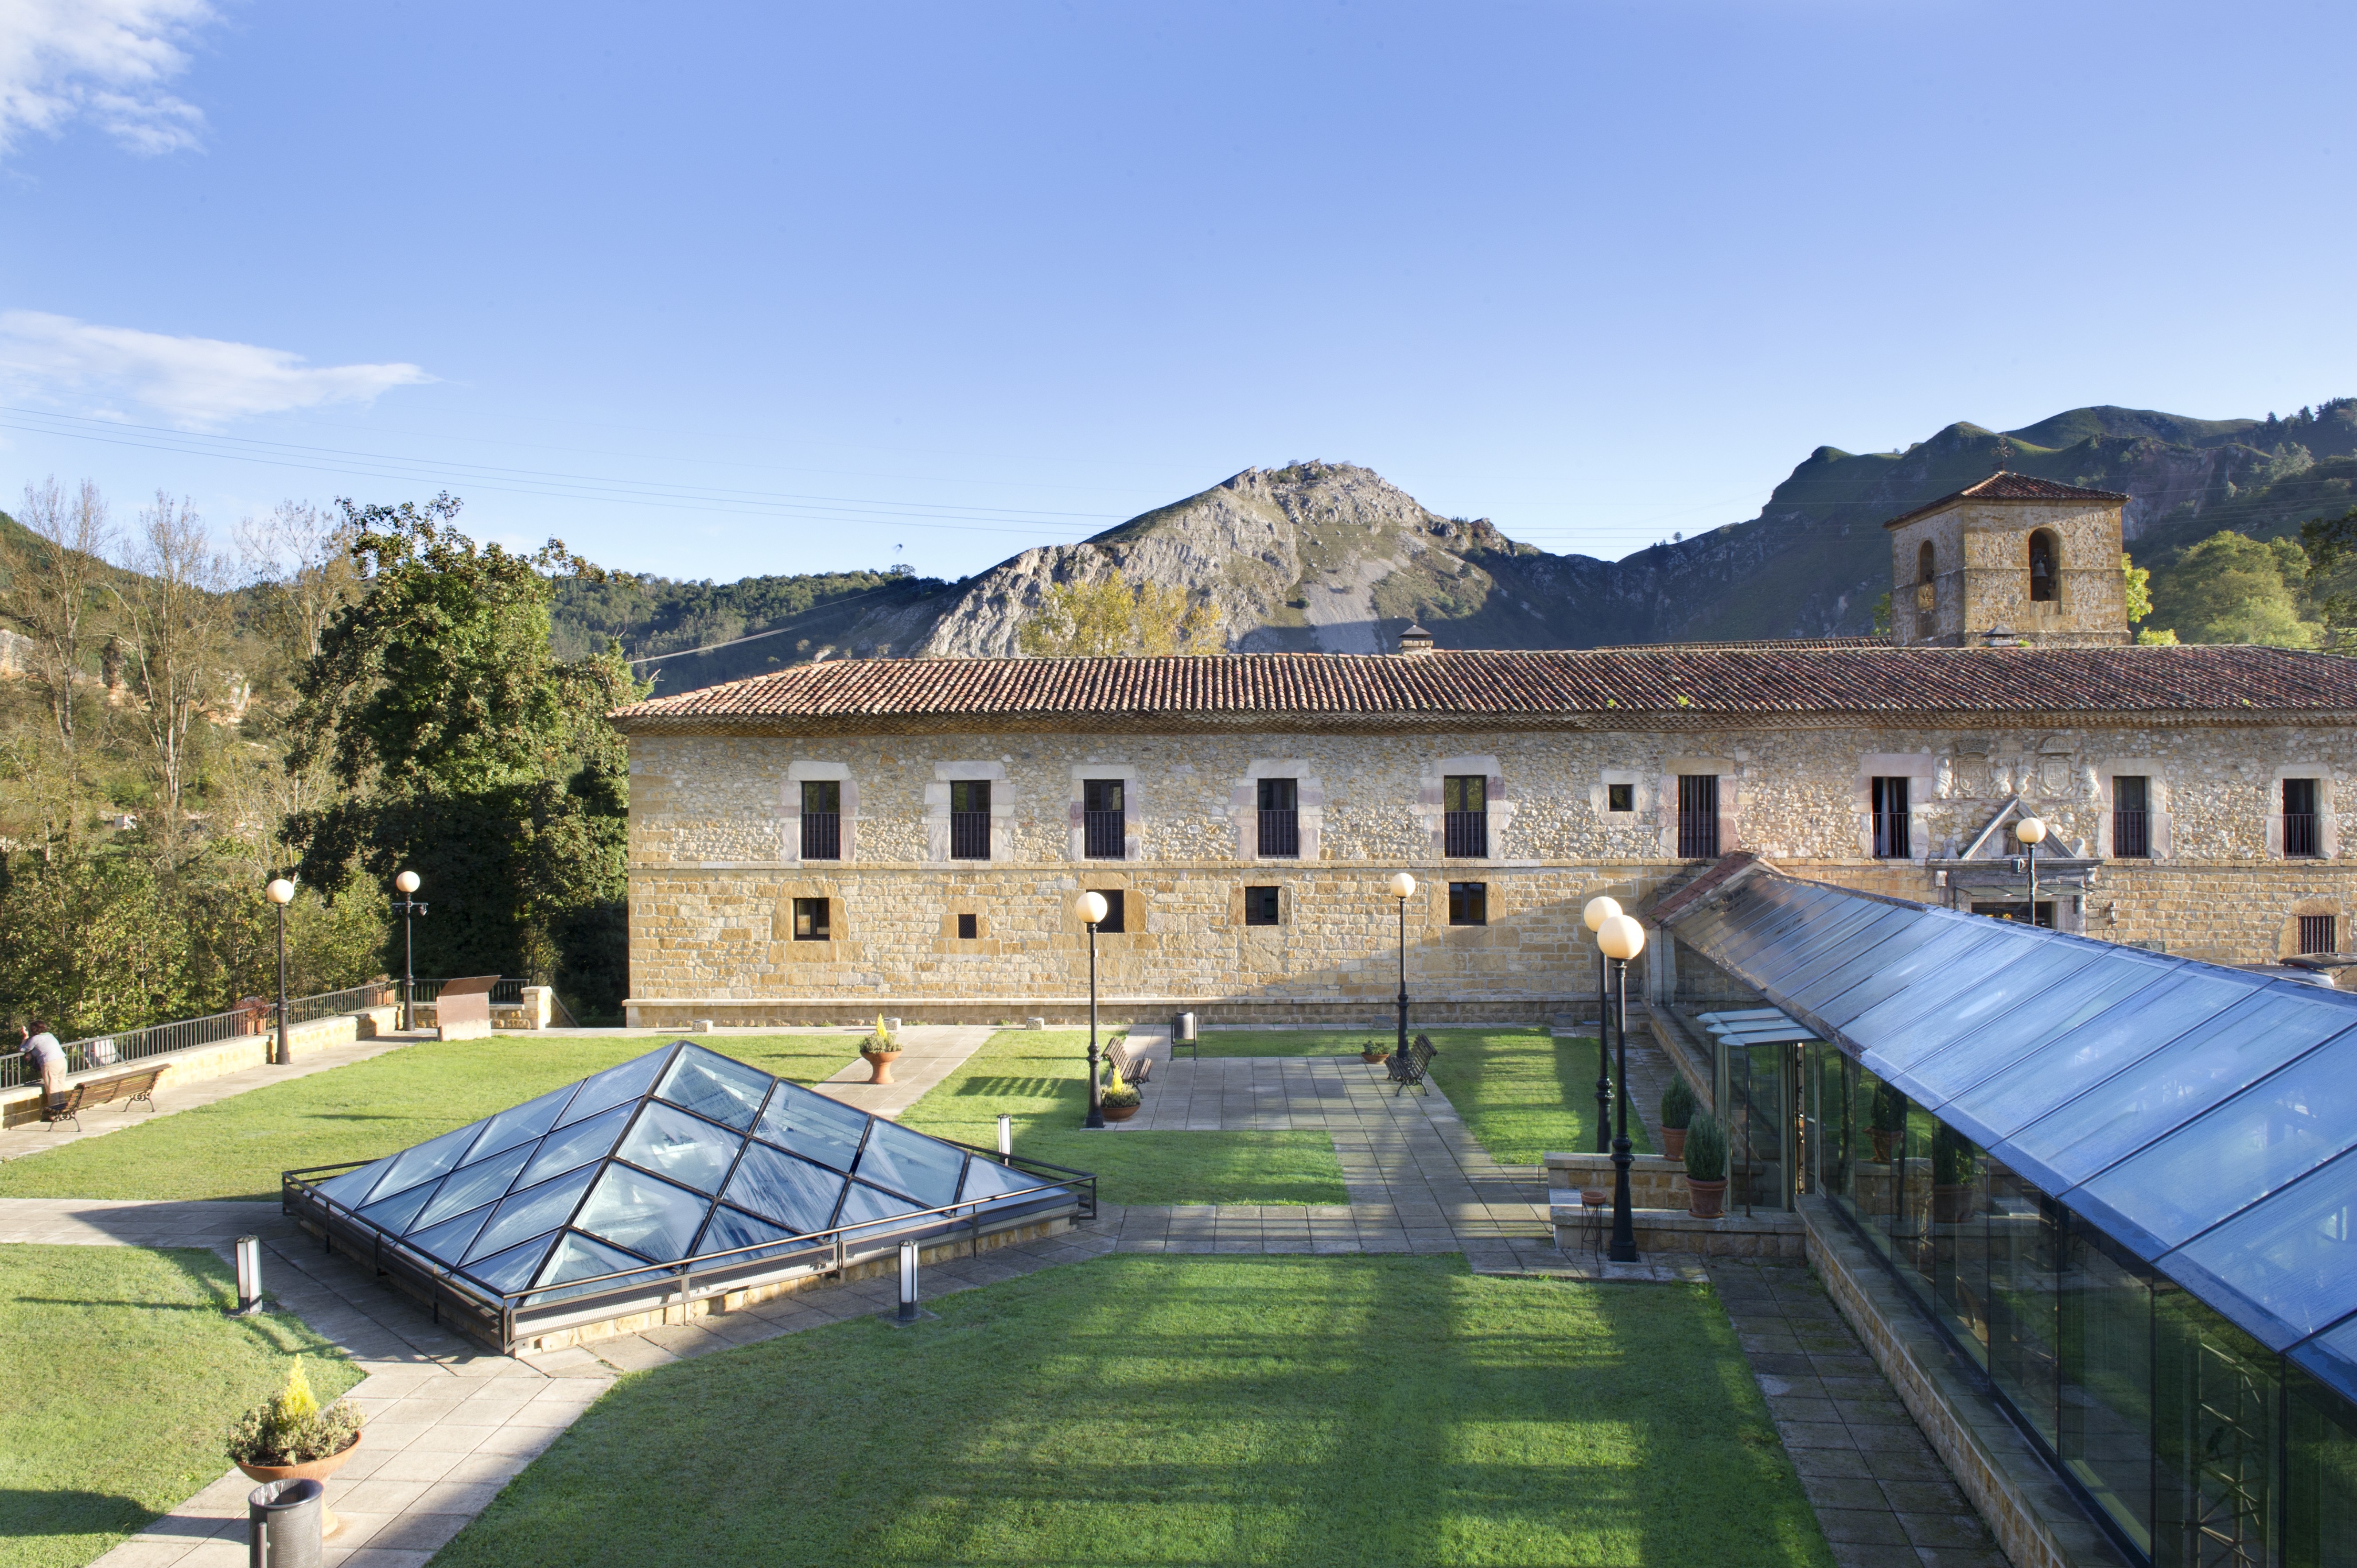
(1621, 939)
(407, 905)
(282, 892)
(1402, 890)
(1599, 910)
(1091, 909)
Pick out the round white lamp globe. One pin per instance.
(1091, 907)
(2029, 830)
(1621, 937)
(1402, 887)
(1599, 910)
(281, 891)
(406, 882)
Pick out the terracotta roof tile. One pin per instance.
(1578, 686)
(2008, 485)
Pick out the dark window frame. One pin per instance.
(1264, 905)
(1280, 819)
(2044, 544)
(1114, 924)
(1465, 816)
(2319, 934)
(1894, 831)
(1698, 816)
(1104, 819)
(2131, 816)
(2303, 822)
(814, 919)
(1619, 798)
(822, 814)
(1469, 903)
(969, 928)
(970, 822)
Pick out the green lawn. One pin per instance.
(1040, 1077)
(236, 1147)
(1164, 1409)
(1523, 1094)
(124, 1377)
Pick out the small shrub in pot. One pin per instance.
(1706, 1166)
(1678, 1108)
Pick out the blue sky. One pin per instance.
(722, 289)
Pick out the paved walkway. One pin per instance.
(38, 1137)
(929, 1052)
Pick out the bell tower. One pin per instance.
(2009, 559)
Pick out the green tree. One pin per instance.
(2233, 588)
(1115, 618)
(472, 755)
(2330, 547)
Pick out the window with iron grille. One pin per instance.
(1260, 906)
(1619, 797)
(1104, 822)
(811, 922)
(1111, 925)
(2320, 933)
(969, 928)
(1893, 839)
(2131, 816)
(1698, 816)
(2302, 836)
(1469, 903)
(1280, 819)
(970, 819)
(1465, 816)
(821, 820)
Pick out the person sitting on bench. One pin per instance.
(42, 1046)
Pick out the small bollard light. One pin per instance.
(249, 1276)
(908, 1282)
(1005, 1133)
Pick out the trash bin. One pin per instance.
(283, 1524)
(1187, 1027)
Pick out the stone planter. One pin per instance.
(1707, 1199)
(312, 1470)
(1674, 1142)
(880, 1064)
(1118, 1112)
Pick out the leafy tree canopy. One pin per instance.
(1115, 618)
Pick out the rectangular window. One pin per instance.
(1619, 797)
(1280, 819)
(2320, 933)
(821, 820)
(970, 819)
(1698, 816)
(1111, 923)
(2301, 837)
(1465, 816)
(811, 922)
(1893, 839)
(2018, 910)
(2131, 817)
(1260, 906)
(1469, 903)
(968, 928)
(1103, 820)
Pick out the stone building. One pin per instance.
(907, 834)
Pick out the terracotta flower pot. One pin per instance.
(1118, 1112)
(1707, 1199)
(310, 1470)
(1372, 1056)
(880, 1064)
(1951, 1205)
(1674, 1142)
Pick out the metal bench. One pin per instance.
(130, 1088)
(1135, 1067)
(1407, 1068)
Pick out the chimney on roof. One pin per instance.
(1416, 639)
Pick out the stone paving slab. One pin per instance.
(929, 1052)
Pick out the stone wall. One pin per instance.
(1980, 564)
(715, 864)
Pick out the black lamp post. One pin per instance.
(1621, 939)
(1402, 890)
(408, 906)
(1091, 907)
(2032, 831)
(1599, 910)
(282, 892)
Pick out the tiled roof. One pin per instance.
(1591, 688)
(2008, 485)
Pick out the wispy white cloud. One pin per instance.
(104, 62)
(196, 382)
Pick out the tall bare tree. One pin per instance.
(51, 601)
(176, 617)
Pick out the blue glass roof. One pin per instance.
(2204, 1117)
(677, 1154)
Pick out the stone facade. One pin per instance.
(1963, 569)
(715, 864)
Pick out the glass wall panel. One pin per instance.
(1831, 939)
(2023, 1032)
(1957, 1004)
(1960, 1240)
(1994, 1021)
(2214, 1481)
(1757, 1134)
(1918, 932)
(1880, 1113)
(2319, 1477)
(2293, 1257)
(1910, 1223)
(2024, 1249)
(2105, 1408)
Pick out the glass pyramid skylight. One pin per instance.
(672, 1156)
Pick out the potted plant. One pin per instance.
(1705, 1167)
(1117, 1100)
(1955, 1171)
(881, 1050)
(287, 1437)
(1677, 1113)
(1886, 1121)
(1371, 1052)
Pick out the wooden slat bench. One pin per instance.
(1407, 1068)
(130, 1088)
(1135, 1067)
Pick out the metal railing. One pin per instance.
(127, 1046)
(504, 993)
(1280, 832)
(822, 835)
(1465, 835)
(2131, 836)
(1893, 837)
(2303, 838)
(969, 835)
(1102, 833)
(688, 1279)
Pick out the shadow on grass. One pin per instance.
(36, 1514)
